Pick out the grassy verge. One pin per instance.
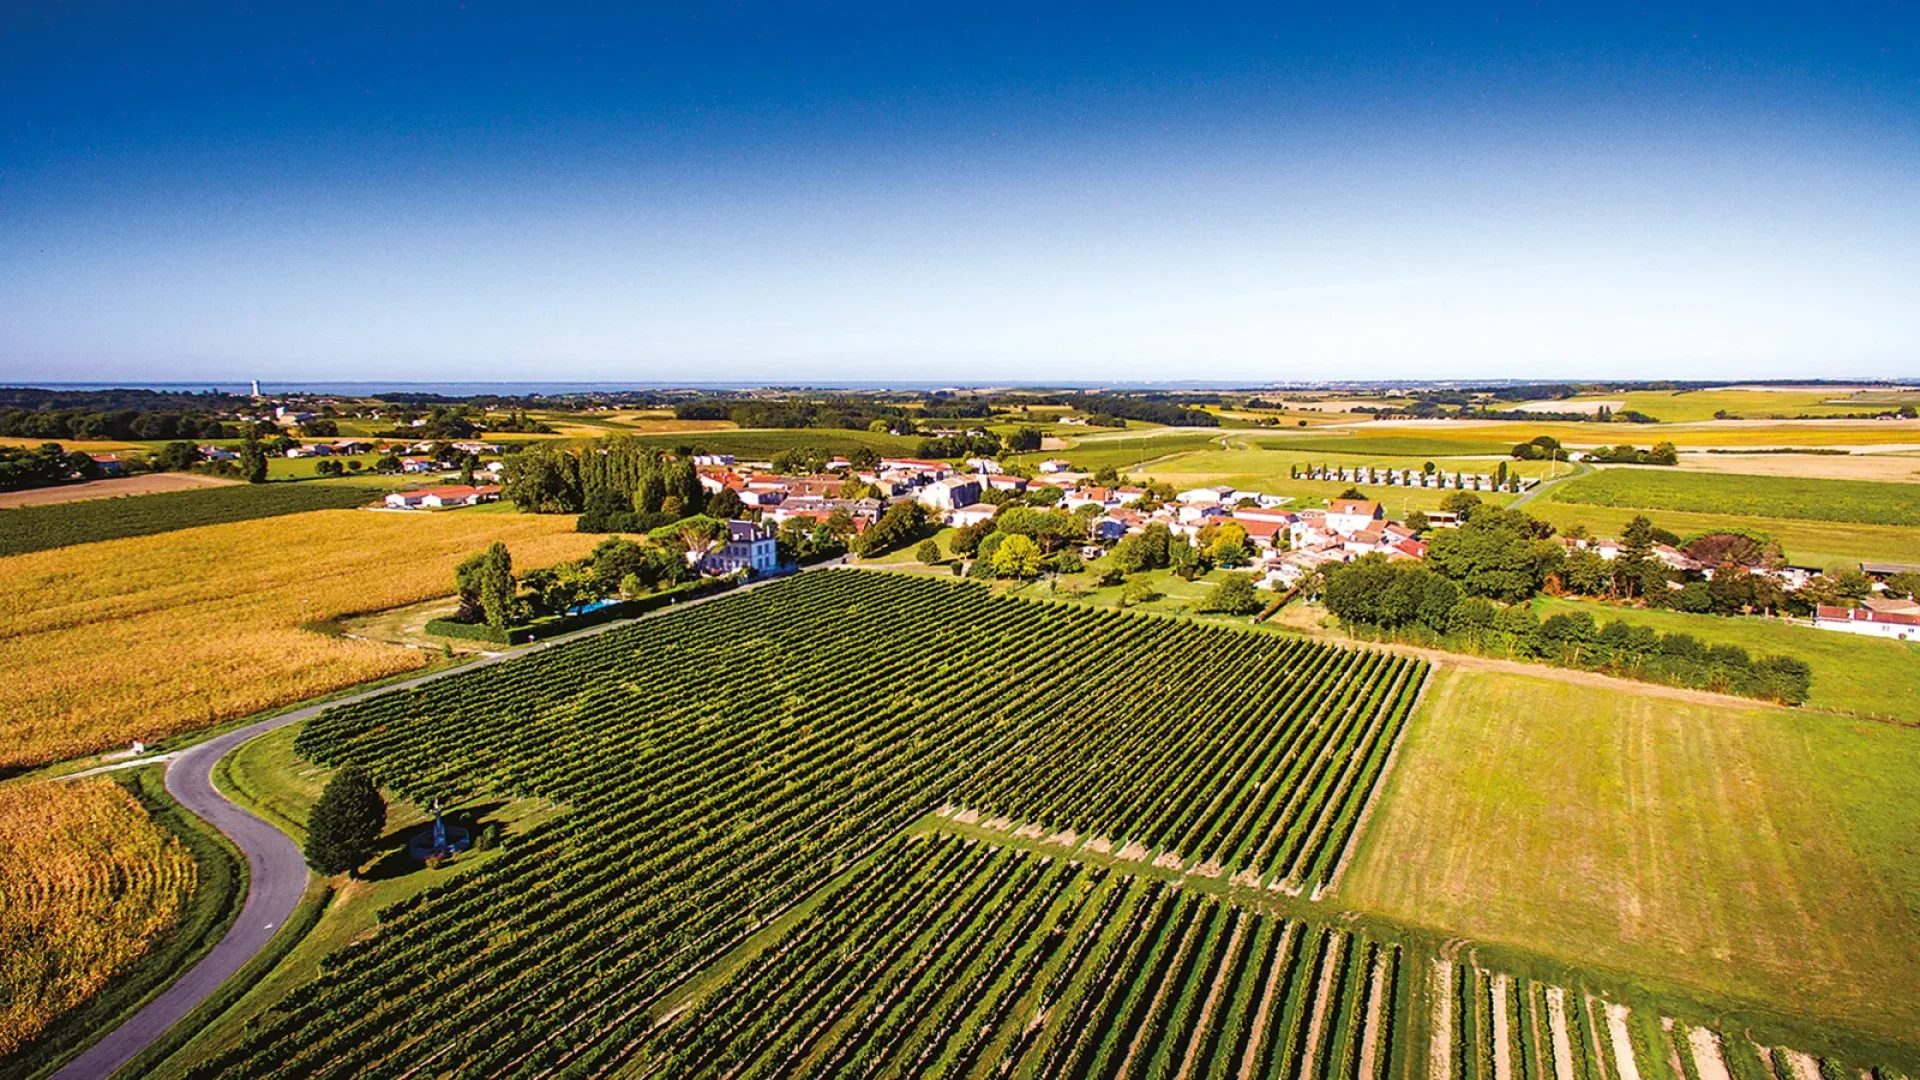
(184, 1034)
(267, 778)
(220, 887)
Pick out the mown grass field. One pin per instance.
(1269, 471)
(1823, 544)
(1851, 674)
(1762, 854)
(149, 636)
(87, 883)
(1125, 449)
(1680, 406)
(1653, 488)
(38, 528)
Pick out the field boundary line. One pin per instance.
(1427, 679)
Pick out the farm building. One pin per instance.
(440, 497)
(1899, 625)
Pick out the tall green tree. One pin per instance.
(253, 459)
(345, 826)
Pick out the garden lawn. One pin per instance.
(1655, 488)
(1757, 854)
(1851, 673)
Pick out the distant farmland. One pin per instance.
(38, 528)
(1864, 501)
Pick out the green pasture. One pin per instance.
(1762, 855)
(1851, 674)
(1655, 488)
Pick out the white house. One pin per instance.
(1347, 516)
(750, 546)
(1055, 465)
(950, 494)
(972, 515)
(1206, 494)
(1898, 625)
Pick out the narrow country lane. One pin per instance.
(277, 872)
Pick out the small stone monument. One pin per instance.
(440, 841)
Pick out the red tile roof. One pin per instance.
(1866, 615)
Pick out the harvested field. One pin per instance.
(147, 484)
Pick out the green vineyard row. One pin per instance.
(720, 764)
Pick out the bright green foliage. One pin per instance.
(1017, 557)
(346, 823)
(695, 753)
(1234, 595)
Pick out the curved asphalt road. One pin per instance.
(277, 872)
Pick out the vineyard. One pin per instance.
(737, 756)
(945, 958)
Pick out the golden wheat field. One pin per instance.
(87, 881)
(144, 637)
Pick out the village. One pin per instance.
(1286, 544)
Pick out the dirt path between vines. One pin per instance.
(1502, 1029)
(1440, 1049)
(1329, 966)
(1370, 1037)
(1622, 1041)
(1562, 1041)
(1707, 1059)
(1221, 978)
(1260, 1015)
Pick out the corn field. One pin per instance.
(148, 636)
(87, 882)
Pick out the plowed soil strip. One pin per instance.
(1804, 1065)
(1370, 1039)
(1562, 1042)
(1502, 1029)
(1440, 1052)
(1623, 1044)
(1707, 1059)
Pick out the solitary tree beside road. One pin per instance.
(346, 823)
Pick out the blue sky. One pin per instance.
(966, 192)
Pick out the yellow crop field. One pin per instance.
(153, 635)
(87, 881)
